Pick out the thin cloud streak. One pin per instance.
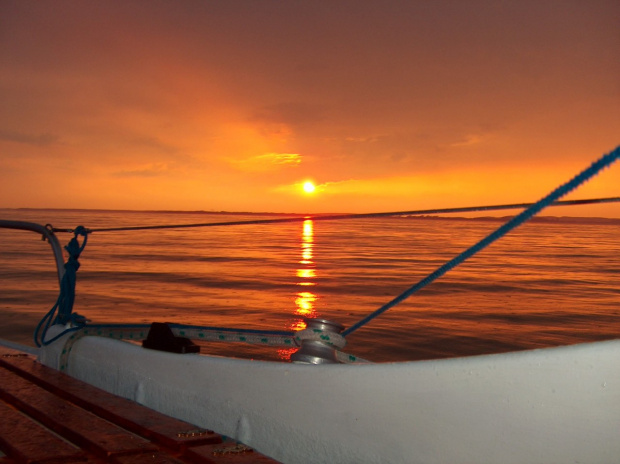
(29, 139)
(267, 162)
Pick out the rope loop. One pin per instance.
(326, 337)
(66, 297)
(74, 248)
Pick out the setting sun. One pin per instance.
(309, 187)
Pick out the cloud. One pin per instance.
(155, 144)
(290, 113)
(471, 139)
(285, 122)
(267, 162)
(41, 140)
(147, 170)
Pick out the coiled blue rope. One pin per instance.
(591, 171)
(66, 297)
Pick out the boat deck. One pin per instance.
(48, 417)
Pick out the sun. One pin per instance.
(309, 187)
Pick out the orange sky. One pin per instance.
(232, 105)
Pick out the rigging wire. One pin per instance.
(335, 217)
(603, 162)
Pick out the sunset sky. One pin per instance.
(233, 105)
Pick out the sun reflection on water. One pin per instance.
(306, 272)
(304, 300)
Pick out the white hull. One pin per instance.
(554, 405)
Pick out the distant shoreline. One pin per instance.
(538, 219)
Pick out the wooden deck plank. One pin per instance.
(77, 425)
(55, 400)
(123, 412)
(30, 442)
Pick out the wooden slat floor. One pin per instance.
(47, 417)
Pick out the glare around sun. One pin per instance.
(309, 187)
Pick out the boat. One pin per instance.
(550, 405)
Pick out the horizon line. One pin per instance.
(404, 215)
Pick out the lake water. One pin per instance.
(549, 282)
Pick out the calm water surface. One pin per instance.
(547, 283)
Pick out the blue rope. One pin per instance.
(66, 297)
(516, 221)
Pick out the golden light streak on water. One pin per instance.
(305, 300)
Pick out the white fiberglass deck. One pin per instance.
(545, 406)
